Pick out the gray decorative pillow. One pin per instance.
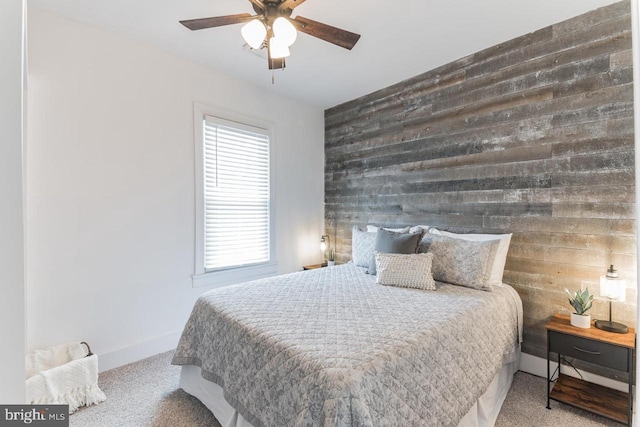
(405, 270)
(362, 244)
(461, 262)
(394, 243)
(500, 260)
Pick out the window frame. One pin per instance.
(236, 274)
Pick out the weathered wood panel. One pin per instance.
(533, 136)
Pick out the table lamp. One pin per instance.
(613, 288)
(323, 245)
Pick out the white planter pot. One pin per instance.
(581, 320)
(331, 263)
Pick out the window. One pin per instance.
(234, 202)
(236, 196)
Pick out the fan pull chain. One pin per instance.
(273, 77)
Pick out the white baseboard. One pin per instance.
(137, 352)
(538, 366)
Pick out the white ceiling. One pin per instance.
(400, 38)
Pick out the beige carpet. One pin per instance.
(146, 393)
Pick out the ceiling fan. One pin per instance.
(273, 28)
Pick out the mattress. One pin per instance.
(331, 347)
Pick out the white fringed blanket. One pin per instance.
(63, 374)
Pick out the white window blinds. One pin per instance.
(236, 195)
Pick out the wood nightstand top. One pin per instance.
(562, 323)
(313, 266)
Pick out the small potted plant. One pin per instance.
(581, 301)
(331, 258)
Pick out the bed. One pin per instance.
(330, 347)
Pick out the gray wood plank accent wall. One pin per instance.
(533, 137)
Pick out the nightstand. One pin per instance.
(313, 266)
(596, 346)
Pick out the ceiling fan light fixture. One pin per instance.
(278, 48)
(283, 29)
(273, 28)
(254, 33)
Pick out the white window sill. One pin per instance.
(218, 279)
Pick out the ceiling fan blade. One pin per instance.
(218, 21)
(342, 38)
(289, 4)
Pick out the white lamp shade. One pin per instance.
(284, 30)
(254, 33)
(613, 288)
(278, 48)
(323, 245)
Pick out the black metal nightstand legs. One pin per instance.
(548, 374)
(630, 369)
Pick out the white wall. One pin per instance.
(110, 217)
(12, 314)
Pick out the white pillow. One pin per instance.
(374, 229)
(423, 228)
(497, 269)
(362, 246)
(405, 270)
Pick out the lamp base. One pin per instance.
(609, 326)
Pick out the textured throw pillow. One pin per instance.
(362, 244)
(462, 262)
(497, 269)
(405, 270)
(394, 243)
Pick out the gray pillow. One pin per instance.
(390, 242)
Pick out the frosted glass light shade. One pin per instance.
(284, 30)
(323, 245)
(278, 48)
(613, 288)
(254, 33)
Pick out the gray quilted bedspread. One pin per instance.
(329, 347)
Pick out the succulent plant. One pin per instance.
(581, 301)
(331, 255)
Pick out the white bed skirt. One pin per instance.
(483, 414)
